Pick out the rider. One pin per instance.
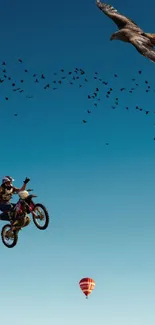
(6, 192)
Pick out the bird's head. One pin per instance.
(113, 37)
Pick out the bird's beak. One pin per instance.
(111, 38)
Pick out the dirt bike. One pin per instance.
(20, 218)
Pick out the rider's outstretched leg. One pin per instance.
(6, 212)
(4, 216)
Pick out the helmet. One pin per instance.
(7, 179)
(23, 194)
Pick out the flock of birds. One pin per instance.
(109, 92)
(79, 77)
(128, 31)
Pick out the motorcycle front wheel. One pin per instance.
(9, 237)
(40, 214)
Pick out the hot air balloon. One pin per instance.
(87, 285)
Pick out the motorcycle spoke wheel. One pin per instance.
(40, 216)
(9, 237)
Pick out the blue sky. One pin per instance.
(100, 198)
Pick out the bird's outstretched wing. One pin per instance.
(151, 37)
(120, 20)
(142, 46)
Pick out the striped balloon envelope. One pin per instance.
(87, 285)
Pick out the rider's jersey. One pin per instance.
(6, 193)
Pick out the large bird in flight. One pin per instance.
(130, 32)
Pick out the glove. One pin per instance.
(26, 180)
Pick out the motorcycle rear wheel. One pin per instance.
(7, 234)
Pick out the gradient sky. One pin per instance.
(100, 198)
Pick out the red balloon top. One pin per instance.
(87, 285)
